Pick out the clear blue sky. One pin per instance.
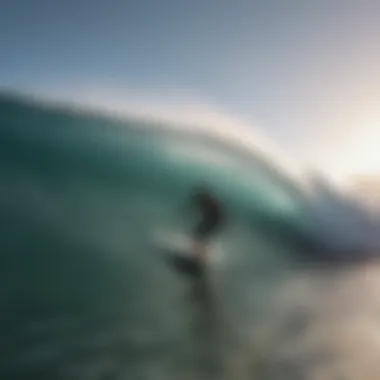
(304, 70)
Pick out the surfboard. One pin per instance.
(177, 251)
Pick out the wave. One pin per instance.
(82, 286)
(119, 148)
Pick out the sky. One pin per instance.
(304, 73)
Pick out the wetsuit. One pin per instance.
(212, 216)
(211, 220)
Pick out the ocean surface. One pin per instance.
(85, 292)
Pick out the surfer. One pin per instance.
(209, 327)
(211, 220)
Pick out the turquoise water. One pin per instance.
(84, 293)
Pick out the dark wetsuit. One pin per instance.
(211, 220)
(212, 216)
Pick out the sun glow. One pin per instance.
(358, 150)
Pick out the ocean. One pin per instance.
(84, 290)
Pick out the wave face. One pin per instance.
(84, 291)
